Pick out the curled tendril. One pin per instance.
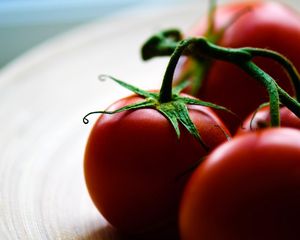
(104, 77)
(85, 118)
(169, 102)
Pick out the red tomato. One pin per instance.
(268, 25)
(262, 120)
(133, 161)
(248, 188)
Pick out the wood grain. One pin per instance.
(43, 97)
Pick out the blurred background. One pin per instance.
(26, 23)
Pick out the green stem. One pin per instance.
(289, 102)
(204, 48)
(163, 43)
(242, 57)
(284, 62)
(200, 71)
(270, 85)
(165, 94)
(211, 18)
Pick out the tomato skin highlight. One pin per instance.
(268, 25)
(248, 188)
(262, 119)
(132, 163)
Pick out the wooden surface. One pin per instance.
(43, 97)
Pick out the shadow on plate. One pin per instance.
(110, 233)
(103, 233)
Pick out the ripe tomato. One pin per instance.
(248, 188)
(262, 120)
(133, 166)
(268, 25)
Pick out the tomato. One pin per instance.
(268, 25)
(135, 166)
(262, 119)
(248, 188)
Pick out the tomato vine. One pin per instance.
(242, 57)
(168, 101)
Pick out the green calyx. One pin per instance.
(202, 48)
(168, 100)
(175, 110)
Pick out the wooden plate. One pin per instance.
(44, 96)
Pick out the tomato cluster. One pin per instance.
(167, 165)
(260, 24)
